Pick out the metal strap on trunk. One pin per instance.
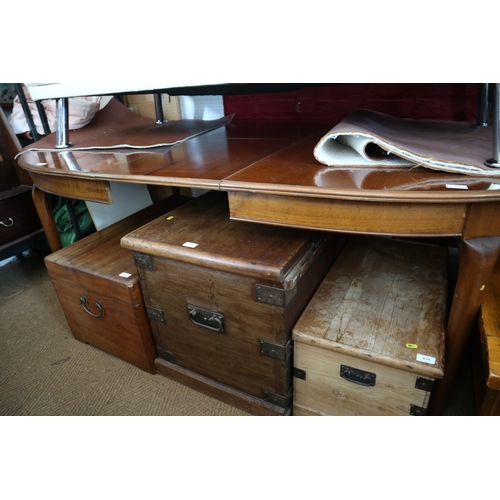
(143, 260)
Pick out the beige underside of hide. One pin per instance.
(367, 138)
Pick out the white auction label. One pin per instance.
(456, 186)
(125, 275)
(426, 359)
(189, 244)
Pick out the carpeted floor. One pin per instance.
(45, 371)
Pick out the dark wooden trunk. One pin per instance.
(252, 280)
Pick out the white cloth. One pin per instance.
(81, 110)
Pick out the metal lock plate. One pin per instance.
(274, 351)
(155, 314)
(424, 384)
(143, 260)
(165, 355)
(298, 373)
(270, 295)
(276, 399)
(418, 411)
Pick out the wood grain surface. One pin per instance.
(325, 393)
(490, 325)
(380, 295)
(92, 268)
(221, 275)
(381, 308)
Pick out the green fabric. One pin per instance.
(63, 221)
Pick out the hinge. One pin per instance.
(417, 410)
(276, 399)
(424, 384)
(155, 314)
(298, 373)
(143, 260)
(275, 351)
(165, 355)
(270, 295)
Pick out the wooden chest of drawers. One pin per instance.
(20, 226)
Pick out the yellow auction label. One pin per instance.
(412, 346)
(170, 217)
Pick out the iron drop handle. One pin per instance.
(11, 222)
(83, 303)
(357, 376)
(207, 319)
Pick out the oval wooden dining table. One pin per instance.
(271, 177)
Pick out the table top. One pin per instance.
(262, 156)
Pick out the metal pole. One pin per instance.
(483, 107)
(495, 160)
(160, 117)
(62, 124)
(70, 161)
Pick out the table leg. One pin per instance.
(62, 124)
(477, 258)
(46, 216)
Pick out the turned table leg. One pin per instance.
(44, 210)
(477, 259)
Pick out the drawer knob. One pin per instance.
(83, 302)
(10, 222)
